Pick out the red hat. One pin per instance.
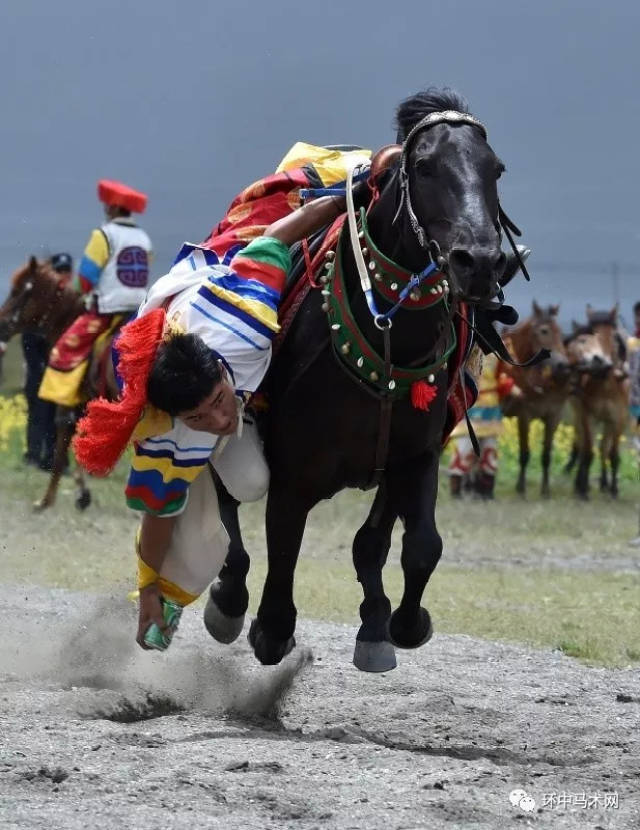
(119, 195)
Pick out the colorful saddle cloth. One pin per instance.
(89, 334)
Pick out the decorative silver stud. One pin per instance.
(324, 279)
(330, 255)
(431, 378)
(335, 326)
(360, 362)
(365, 251)
(373, 376)
(345, 348)
(440, 289)
(394, 286)
(372, 265)
(325, 306)
(415, 296)
(377, 277)
(325, 292)
(361, 235)
(433, 291)
(392, 384)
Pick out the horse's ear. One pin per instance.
(33, 263)
(554, 309)
(613, 314)
(536, 309)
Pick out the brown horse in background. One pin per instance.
(41, 301)
(600, 396)
(539, 391)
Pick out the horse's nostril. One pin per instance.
(462, 261)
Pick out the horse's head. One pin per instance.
(29, 299)
(595, 349)
(451, 174)
(545, 333)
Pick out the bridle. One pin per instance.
(502, 221)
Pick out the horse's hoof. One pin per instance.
(83, 499)
(40, 505)
(413, 636)
(222, 628)
(268, 650)
(374, 657)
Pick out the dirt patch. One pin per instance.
(203, 736)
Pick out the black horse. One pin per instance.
(333, 421)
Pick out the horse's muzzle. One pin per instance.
(477, 270)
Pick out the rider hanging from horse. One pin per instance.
(112, 277)
(199, 348)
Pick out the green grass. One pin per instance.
(556, 574)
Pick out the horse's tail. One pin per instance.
(105, 431)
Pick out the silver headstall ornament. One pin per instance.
(444, 117)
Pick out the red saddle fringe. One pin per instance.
(105, 430)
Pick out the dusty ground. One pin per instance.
(441, 742)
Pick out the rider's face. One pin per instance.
(217, 414)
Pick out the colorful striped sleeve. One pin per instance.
(95, 257)
(163, 468)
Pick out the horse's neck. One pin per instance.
(520, 338)
(66, 308)
(415, 334)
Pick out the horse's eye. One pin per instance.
(543, 330)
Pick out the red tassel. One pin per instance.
(104, 432)
(422, 393)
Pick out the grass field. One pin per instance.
(556, 573)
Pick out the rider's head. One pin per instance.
(187, 381)
(62, 263)
(116, 212)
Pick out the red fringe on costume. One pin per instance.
(104, 432)
(422, 393)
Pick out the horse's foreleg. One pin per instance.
(523, 438)
(65, 427)
(604, 460)
(271, 633)
(228, 595)
(413, 491)
(614, 458)
(550, 426)
(83, 494)
(371, 545)
(584, 441)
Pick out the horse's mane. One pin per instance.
(416, 107)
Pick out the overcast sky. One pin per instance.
(191, 101)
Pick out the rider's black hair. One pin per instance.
(184, 373)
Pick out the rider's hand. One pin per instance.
(150, 612)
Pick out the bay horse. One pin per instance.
(341, 414)
(41, 301)
(599, 397)
(539, 392)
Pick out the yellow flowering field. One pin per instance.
(13, 420)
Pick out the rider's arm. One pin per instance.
(95, 257)
(306, 220)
